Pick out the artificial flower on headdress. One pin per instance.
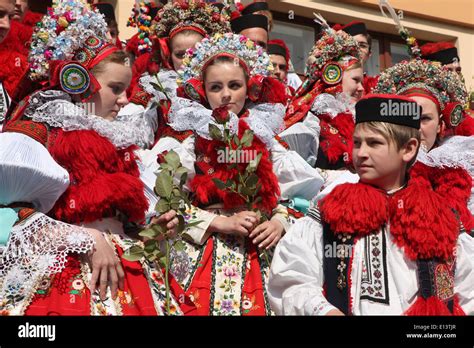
(332, 47)
(428, 79)
(196, 15)
(251, 57)
(65, 29)
(67, 44)
(412, 44)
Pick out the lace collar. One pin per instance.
(333, 105)
(165, 78)
(56, 109)
(453, 152)
(265, 120)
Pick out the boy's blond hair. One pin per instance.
(394, 134)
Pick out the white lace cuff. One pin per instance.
(37, 248)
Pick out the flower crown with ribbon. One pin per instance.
(333, 46)
(428, 79)
(251, 57)
(69, 41)
(197, 15)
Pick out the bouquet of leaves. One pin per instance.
(246, 184)
(158, 244)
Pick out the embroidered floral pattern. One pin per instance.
(374, 270)
(158, 290)
(227, 277)
(444, 280)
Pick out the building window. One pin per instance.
(298, 38)
(372, 66)
(398, 52)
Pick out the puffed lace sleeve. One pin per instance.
(295, 176)
(296, 276)
(144, 119)
(303, 138)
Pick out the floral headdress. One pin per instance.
(428, 79)
(69, 41)
(250, 56)
(327, 51)
(196, 15)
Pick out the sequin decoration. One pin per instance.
(74, 79)
(332, 74)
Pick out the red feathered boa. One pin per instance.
(103, 179)
(206, 191)
(336, 137)
(421, 220)
(14, 55)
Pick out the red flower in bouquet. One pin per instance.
(221, 114)
(161, 157)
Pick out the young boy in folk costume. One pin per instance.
(386, 245)
(442, 95)
(77, 113)
(222, 268)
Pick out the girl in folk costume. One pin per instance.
(178, 26)
(33, 247)
(320, 118)
(441, 94)
(358, 31)
(98, 152)
(386, 245)
(226, 80)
